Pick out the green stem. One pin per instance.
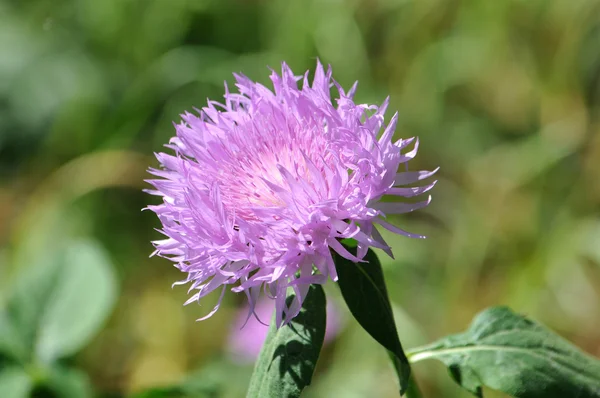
(414, 355)
(413, 390)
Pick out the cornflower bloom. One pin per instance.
(261, 188)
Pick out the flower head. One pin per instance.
(262, 187)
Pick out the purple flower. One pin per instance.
(260, 188)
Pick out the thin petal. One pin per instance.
(410, 177)
(394, 229)
(400, 208)
(410, 192)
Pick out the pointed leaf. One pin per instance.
(69, 383)
(58, 304)
(27, 302)
(363, 288)
(289, 355)
(80, 302)
(508, 352)
(12, 344)
(218, 378)
(162, 392)
(14, 383)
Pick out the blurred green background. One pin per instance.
(504, 95)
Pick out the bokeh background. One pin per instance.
(504, 96)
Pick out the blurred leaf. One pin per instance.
(11, 343)
(28, 299)
(175, 69)
(216, 379)
(50, 83)
(289, 355)
(69, 383)
(219, 377)
(161, 392)
(57, 305)
(80, 301)
(175, 392)
(363, 288)
(18, 46)
(528, 157)
(510, 353)
(14, 383)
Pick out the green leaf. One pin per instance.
(508, 352)
(363, 288)
(175, 392)
(69, 383)
(80, 302)
(27, 302)
(161, 392)
(289, 355)
(219, 377)
(14, 383)
(57, 305)
(12, 344)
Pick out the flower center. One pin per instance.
(250, 183)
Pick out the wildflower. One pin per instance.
(262, 187)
